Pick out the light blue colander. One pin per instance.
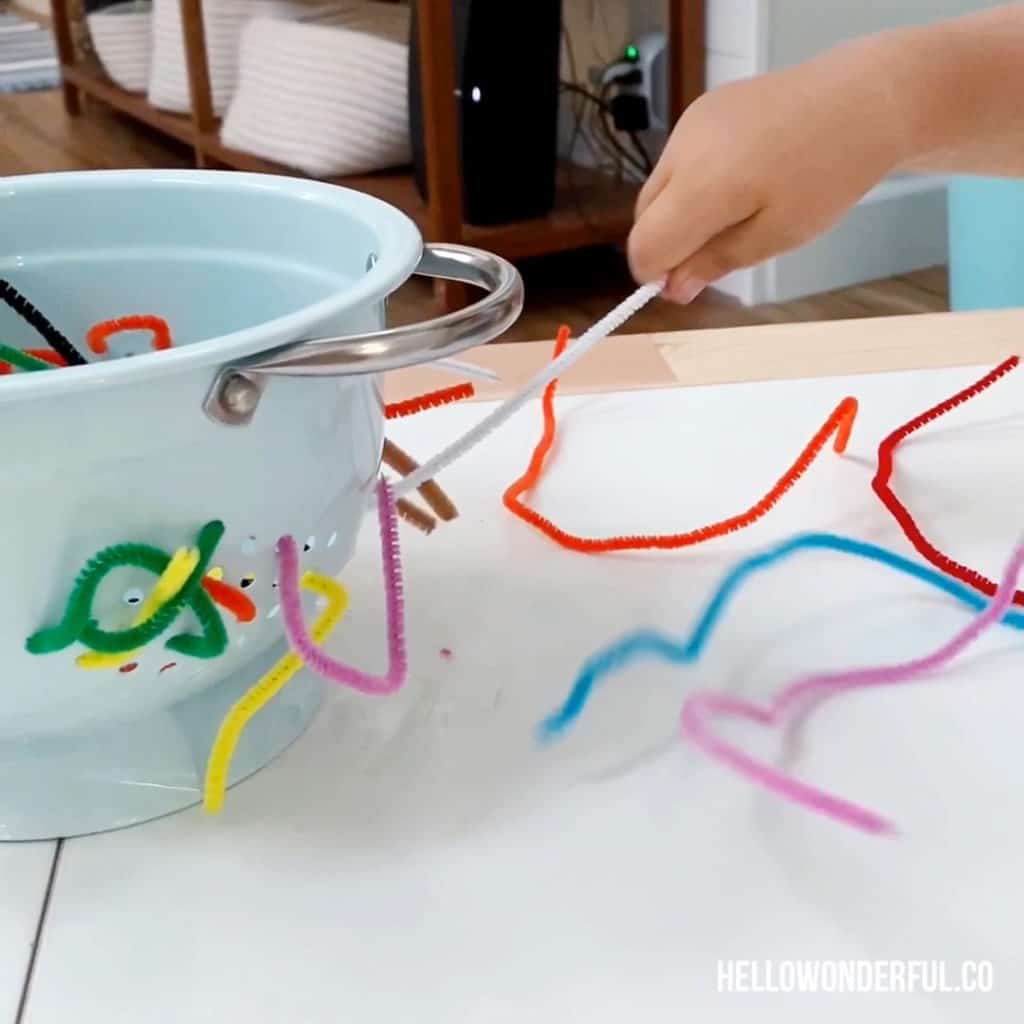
(236, 423)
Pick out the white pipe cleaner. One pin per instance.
(598, 332)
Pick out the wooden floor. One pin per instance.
(35, 135)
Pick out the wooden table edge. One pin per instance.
(740, 354)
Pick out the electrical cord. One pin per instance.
(578, 112)
(642, 150)
(646, 165)
(600, 147)
(638, 162)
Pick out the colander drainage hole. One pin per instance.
(133, 596)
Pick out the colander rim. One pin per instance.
(400, 244)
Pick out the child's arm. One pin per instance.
(763, 165)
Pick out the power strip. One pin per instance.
(652, 62)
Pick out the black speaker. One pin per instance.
(507, 81)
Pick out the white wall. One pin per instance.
(901, 225)
(759, 35)
(647, 14)
(798, 29)
(898, 227)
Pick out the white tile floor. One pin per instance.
(420, 859)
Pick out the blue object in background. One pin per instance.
(986, 243)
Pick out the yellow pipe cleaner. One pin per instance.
(166, 588)
(257, 697)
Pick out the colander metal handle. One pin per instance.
(237, 390)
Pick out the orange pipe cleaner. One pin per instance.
(839, 423)
(228, 597)
(101, 332)
(431, 400)
(40, 353)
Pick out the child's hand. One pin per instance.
(763, 165)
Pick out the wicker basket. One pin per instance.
(122, 36)
(223, 23)
(327, 96)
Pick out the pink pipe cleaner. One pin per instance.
(295, 627)
(801, 696)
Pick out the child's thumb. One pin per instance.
(741, 246)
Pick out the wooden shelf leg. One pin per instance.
(204, 121)
(441, 136)
(66, 51)
(72, 99)
(451, 295)
(686, 54)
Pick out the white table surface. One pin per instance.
(420, 859)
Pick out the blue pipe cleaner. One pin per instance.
(649, 642)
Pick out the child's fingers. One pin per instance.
(743, 245)
(652, 187)
(680, 220)
(683, 286)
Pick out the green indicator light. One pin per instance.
(632, 53)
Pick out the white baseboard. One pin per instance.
(898, 227)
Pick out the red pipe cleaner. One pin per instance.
(100, 333)
(39, 353)
(839, 423)
(880, 484)
(431, 400)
